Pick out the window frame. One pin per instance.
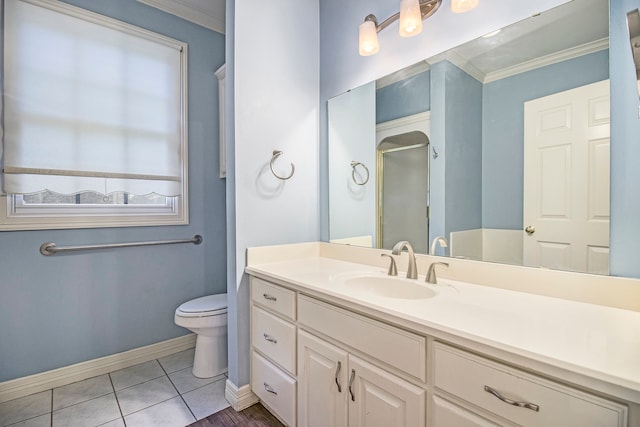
(15, 216)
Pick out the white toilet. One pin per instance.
(207, 317)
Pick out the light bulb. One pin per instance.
(462, 6)
(410, 18)
(368, 39)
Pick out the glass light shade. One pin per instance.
(410, 18)
(462, 6)
(368, 39)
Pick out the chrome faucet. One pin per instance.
(412, 270)
(438, 240)
(431, 273)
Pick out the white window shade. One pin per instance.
(89, 107)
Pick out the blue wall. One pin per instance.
(404, 98)
(437, 170)
(502, 136)
(625, 147)
(456, 129)
(56, 311)
(463, 177)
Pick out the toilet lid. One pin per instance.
(216, 302)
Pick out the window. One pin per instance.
(94, 121)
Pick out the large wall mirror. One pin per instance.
(497, 150)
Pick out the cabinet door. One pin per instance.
(380, 399)
(322, 387)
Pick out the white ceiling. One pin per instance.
(567, 31)
(208, 13)
(562, 29)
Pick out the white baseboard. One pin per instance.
(239, 397)
(25, 386)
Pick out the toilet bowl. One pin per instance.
(207, 318)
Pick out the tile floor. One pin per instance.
(162, 392)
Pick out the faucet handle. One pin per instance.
(393, 270)
(431, 273)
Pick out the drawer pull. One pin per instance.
(527, 405)
(269, 297)
(270, 389)
(353, 376)
(338, 373)
(270, 338)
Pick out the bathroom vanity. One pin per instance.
(335, 341)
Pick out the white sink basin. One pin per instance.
(391, 287)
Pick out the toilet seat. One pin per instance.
(210, 305)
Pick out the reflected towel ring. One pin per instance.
(276, 154)
(353, 173)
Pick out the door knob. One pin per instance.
(530, 230)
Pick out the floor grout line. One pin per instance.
(117, 400)
(155, 404)
(51, 413)
(178, 391)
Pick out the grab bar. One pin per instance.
(50, 248)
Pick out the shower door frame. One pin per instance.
(417, 122)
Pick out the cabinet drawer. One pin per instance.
(466, 376)
(274, 337)
(275, 388)
(276, 298)
(396, 347)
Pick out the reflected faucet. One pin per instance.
(431, 273)
(438, 240)
(412, 270)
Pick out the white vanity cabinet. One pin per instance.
(338, 389)
(512, 394)
(361, 392)
(317, 363)
(339, 383)
(273, 348)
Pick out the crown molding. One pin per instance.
(405, 73)
(492, 76)
(190, 13)
(460, 62)
(546, 60)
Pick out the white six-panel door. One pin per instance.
(566, 180)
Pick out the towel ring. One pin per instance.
(354, 164)
(276, 154)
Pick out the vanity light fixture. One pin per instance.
(411, 15)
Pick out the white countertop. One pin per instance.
(593, 341)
